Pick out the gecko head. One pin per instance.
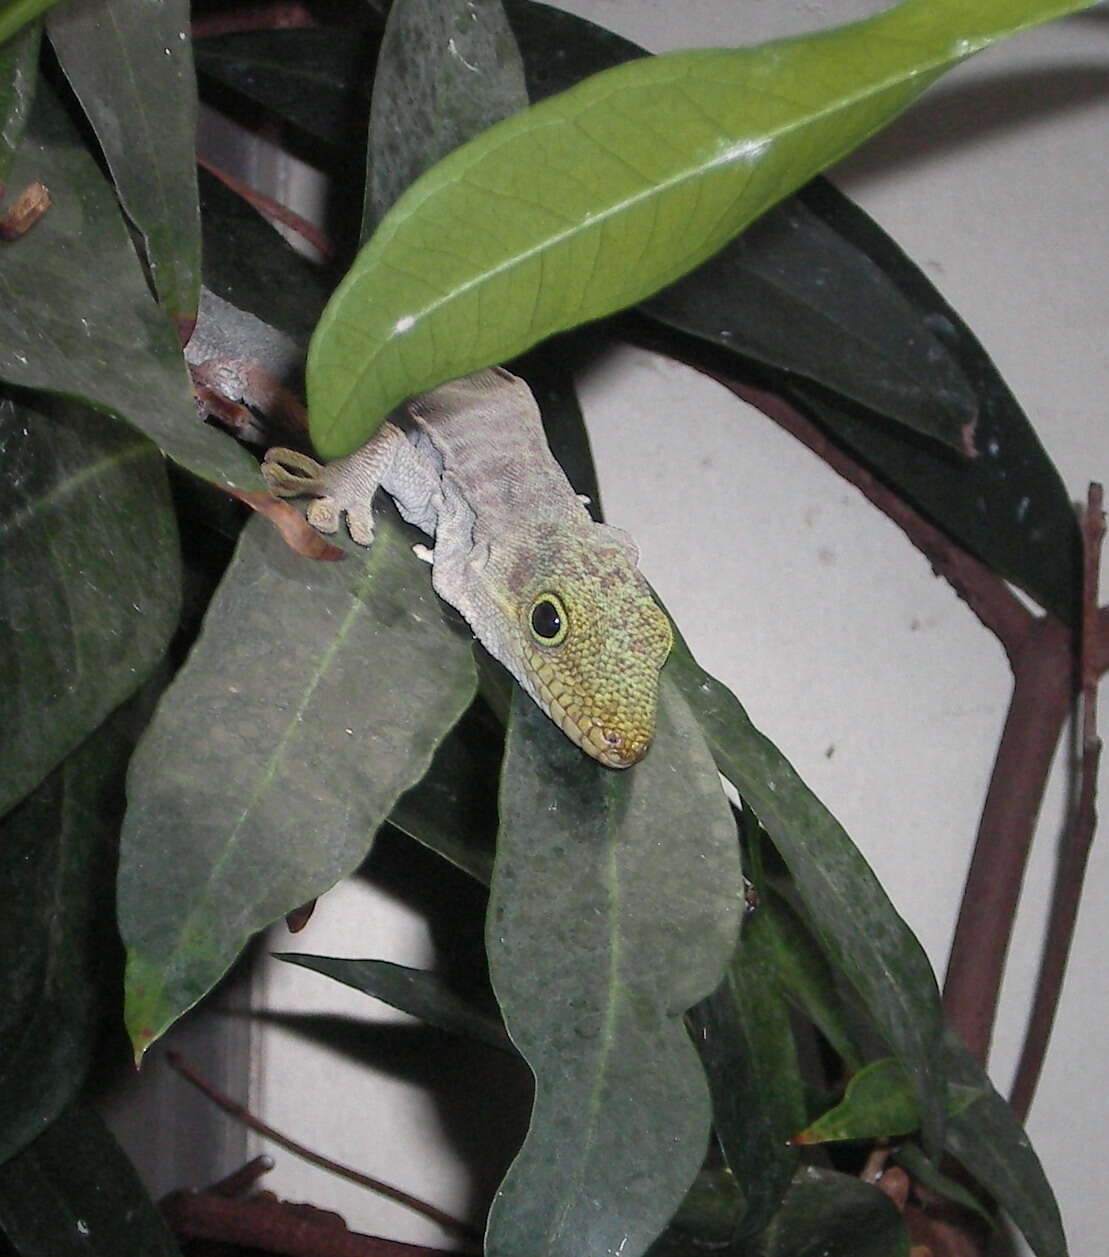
(592, 641)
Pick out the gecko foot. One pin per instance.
(290, 474)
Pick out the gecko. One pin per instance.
(553, 595)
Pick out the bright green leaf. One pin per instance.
(315, 695)
(90, 581)
(73, 1193)
(447, 70)
(77, 318)
(427, 996)
(18, 76)
(613, 910)
(15, 14)
(585, 203)
(130, 64)
(879, 1102)
(858, 927)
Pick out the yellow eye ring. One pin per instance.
(548, 620)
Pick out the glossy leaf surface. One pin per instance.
(77, 318)
(580, 205)
(835, 1215)
(317, 79)
(789, 292)
(420, 994)
(858, 927)
(57, 933)
(447, 70)
(1009, 506)
(316, 694)
(989, 1140)
(613, 909)
(130, 64)
(745, 1041)
(18, 75)
(73, 1193)
(90, 582)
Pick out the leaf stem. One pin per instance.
(260, 1223)
(1078, 839)
(243, 1114)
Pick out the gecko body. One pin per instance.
(555, 596)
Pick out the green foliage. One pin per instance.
(322, 702)
(438, 292)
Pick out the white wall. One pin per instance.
(861, 665)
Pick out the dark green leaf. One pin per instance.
(549, 372)
(597, 206)
(706, 1220)
(18, 76)
(447, 70)
(858, 927)
(792, 294)
(130, 64)
(251, 265)
(743, 1034)
(452, 809)
(1009, 505)
(73, 1193)
(76, 316)
(90, 582)
(613, 910)
(834, 1215)
(804, 974)
(879, 1102)
(560, 49)
(315, 695)
(57, 930)
(989, 1140)
(317, 79)
(427, 996)
(912, 1158)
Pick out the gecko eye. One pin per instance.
(548, 620)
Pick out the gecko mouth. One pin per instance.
(613, 747)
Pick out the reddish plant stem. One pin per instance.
(1043, 682)
(1040, 652)
(1078, 839)
(269, 17)
(982, 590)
(275, 1226)
(272, 209)
(244, 1115)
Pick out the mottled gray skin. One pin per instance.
(468, 464)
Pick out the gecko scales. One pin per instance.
(551, 593)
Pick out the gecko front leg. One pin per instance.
(348, 485)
